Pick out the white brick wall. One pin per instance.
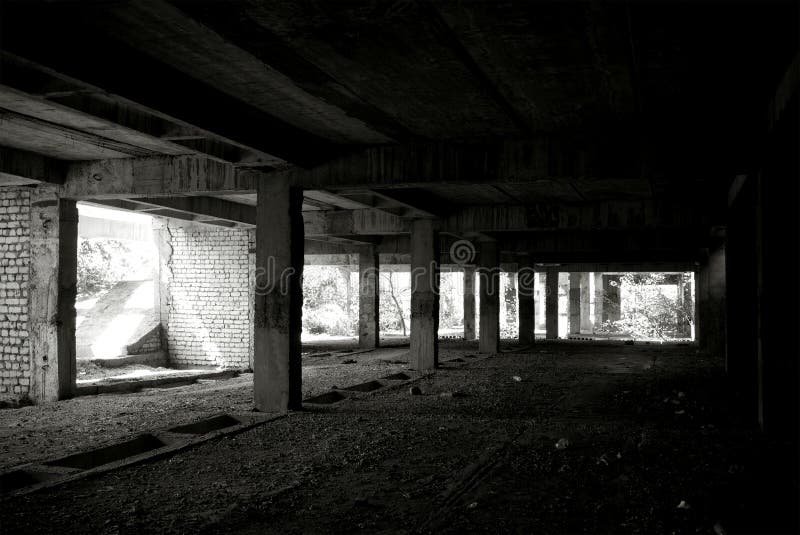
(209, 309)
(14, 260)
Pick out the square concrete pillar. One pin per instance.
(611, 298)
(574, 303)
(489, 273)
(586, 299)
(551, 303)
(599, 298)
(710, 317)
(469, 302)
(277, 374)
(424, 353)
(52, 282)
(527, 314)
(368, 303)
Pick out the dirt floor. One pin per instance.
(563, 439)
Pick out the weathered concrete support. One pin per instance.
(611, 301)
(469, 302)
(574, 303)
(551, 303)
(599, 298)
(368, 303)
(162, 238)
(527, 312)
(710, 310)
(424, 295)
(586, 298)
(489, 341)
(278, 297)
(51, 294)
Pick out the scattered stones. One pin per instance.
(415, 391)
(684, 505)
(473, 505)
(719, 530)
(517, 378)
(562, 444)
(455, 394)
(350, 361)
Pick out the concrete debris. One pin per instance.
(415, 391)
(473, 505)
(719, 530)
(684, 505)
(455, 394)
(562, 444)
(517, 378)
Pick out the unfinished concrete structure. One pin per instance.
(571, 138)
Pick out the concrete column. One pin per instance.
(710, 310)
(551, 303)
(574, 303)
(277, 374)
(526, 305)
(599, 300)
(469, 303)
(586, 298)
(52, 284)
(162, 238)
(424, 353)
(368, 303)
(489, 341)
(612, 305)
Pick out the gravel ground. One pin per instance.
(562, 440)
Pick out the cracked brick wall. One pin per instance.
(207, 313)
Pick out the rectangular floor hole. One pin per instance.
(364, 387)
(17, 479)
(397, 377)
(206, 426)
(109, 454)
(326, 398)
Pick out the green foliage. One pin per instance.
(648, 312)
(101, 264)
(330, 301)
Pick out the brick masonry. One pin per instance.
(14, 265)
(209, 308)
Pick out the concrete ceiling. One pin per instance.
(628, 101)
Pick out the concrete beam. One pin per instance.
(19, 167)
(157, 176)
(208, 207)
(355, 222)
(540, 159)
(586, 215)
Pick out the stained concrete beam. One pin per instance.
(355, 222)
(19, 167)
(503, 162)
(157, 176)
